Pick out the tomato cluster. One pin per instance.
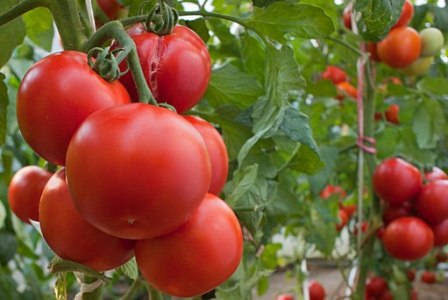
(415, 208)
(340, 79)
(345, 210)
(134, 179)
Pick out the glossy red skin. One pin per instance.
(343, 219)
(284, 297)
(217, 151)
(316, 290)
(56, 95)
(196, 257)
(406, 15)
(371, 48)
(137, 171)
(330, 190)
(410, 274)
(392, 114)
(435, 174)
(376, 286)
(71, 237)
(111, 8)
(428, 277)
(408, 238)
(432, 202)
(24, 192)
(401, 47)
(396, 181)
(334, 74)
(346, 89)
(347, 17)
(440, 233)
(391, 213)
(177, 67)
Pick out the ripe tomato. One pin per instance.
(330, 190)
(432, 202)
(428, 277)
(396, 181)
(441, 256)
(349, 209)
(419, 67)
(177, 66)
(440, 233)
(137, 171)
(408, 238)
(401, 47)
(406, 15)
(24, 192)
(343, 219)
(346, 89)
(56, 96)
(364, 227)
(334, 74)
(392, 114)
(284, 297)
(391, 213)
(347, 16)
(217, 151)
(71, 237)
(371, 48)
(316, 290)
(211, 245)
(376, 286)
(435, 174)
(432, 41)
(111, 8)
(387, 295)
(410, 273)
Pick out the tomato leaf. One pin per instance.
(263, 3)
(440, 17)
(295, 19)
(428, 123)
(200, 27)
(11, 34)
(253, 55)
(39, 27)
(330, 155)
(410, 149)
(4, 100)
(8, 247)
(129, 269)
(434, 86)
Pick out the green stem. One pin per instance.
(21, 8)
(347, 45)
(114, 30)
(130, 293)
(95, 294)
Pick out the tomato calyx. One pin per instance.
(162, 19)
(105, 62)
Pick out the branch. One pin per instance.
(19, 9)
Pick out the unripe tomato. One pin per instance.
(407, 12)
(56, 95)
(137, 171)
(428, 277)
(334, 74)
(71, 237)
(343, 219)
(419, 67)
(217, 151)
(346, 89)
(401, 47)
(440, 233)
(284, 297)
(177, 66)
(330, 190)
(408, 238)
(316, 290)
(392, 114)
(24, 192)
(196, 257)
(376, 286)
(432, 202)
(432, 41)
(435, 174)
(396, 181)
(111, 8)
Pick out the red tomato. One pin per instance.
(410, 273)
(387, 295)
(440, 233)
(137, 171)
(335, 74)
(210, 245)
(217, 151)
(349, 209)
(391, 213)
(401, 47)
(371, 48)
(343, 219)
(435, 174)
(408, 238)
(347, 16)
(56, 96)
(376, 286)
(177, 66)
(24, 192)
(396, 181)
(432, 202)
(71, 237)
(392, 114)
(380, 232)
(406, 15)
(428, 277)
(316, 290)
(441, 256)
(111, 8)
(331, 190)
(364, 227)
(346, 89)
(284, 297)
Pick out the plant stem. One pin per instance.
(21, 8)
(132, 290)
(96, 293)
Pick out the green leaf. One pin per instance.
(263, 3)
(242, 183)
(410, 149)
(129, 269)
(434, 86)
(440, 17)
(11, 34)
(296, 19)
(330, 155)
(3, 109)
(8, 247)
(39, 27)
(269, 256)
(428, 123)
(253, 55)
(200, 27)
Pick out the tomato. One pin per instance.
(196, 257)
(380, 232)
(343, 219)
(112, 8)
(71, 237)
(391, 213)
(349, 209)
(432, 41)
(24, 192)
(396, 181)
(284, 297)
(347, 16)
(56, 96)
(334, 74)
(428, 277)
(419, 67)
(441, 256)
(177, 66)
(387, 295)
(137, 171)
(376, 286)
(371, 48)
(410, 273)
(331, 190)
(413, 295)
(316, 290)
(435, 174)
(217, 151)
(408, 238)
(345, 89)
(401, 47)
(407, 12)
(440, 233)
(432, 202)
(364, 227)
(392, 114)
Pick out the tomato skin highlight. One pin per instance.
(56, 95)
(400, 48)
(435, 174)
(211, 243)
(217, 151)
(316, 290)
(142, 191)
(71, 237)
(25, 190)
(432, 202)
(180, 59)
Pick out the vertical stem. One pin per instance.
(96, 293)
